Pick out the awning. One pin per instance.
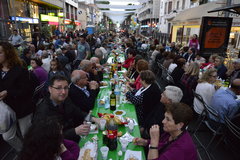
(235, 8)
(193, 15)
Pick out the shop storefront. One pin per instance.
(52, 21)
(70, 25)
(188, 22)
(24, 16)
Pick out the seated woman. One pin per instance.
(39, 71)
(189, 82)
(175, 143)
(128, 62)
(44, 140)
(206, 89)
(142, 65)
(132, 72)
(146, 98)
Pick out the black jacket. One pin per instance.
(19, 91)
(70, 118)
(80, 99)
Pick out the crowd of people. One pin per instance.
(53, 84)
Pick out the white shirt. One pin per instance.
(171, 67)
(15, 39)
(46, 64)
(206, 90)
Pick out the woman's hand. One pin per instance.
(154, 135)
(140, 141)
(63, 148)
(3, 94)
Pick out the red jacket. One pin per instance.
(128, 62)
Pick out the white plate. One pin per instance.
(135, 154)
(123, 113)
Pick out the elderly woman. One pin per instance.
(175, 142)
(16, 91)
(189, 82)
(206, 89)
(146, 98)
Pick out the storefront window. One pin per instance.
(34, 13)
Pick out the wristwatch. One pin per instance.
(151, 147)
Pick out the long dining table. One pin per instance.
(130, 113)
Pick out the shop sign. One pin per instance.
(51, 14)
(214, 34)
(53, 23)
(60, 14)
(48, 18)
(25, 19)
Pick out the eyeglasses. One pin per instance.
(60, 89)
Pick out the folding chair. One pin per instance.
(232, 136)
(205, 118)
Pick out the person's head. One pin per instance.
(195, 36)
(55, 65)
(27, 52)
(82, 39)
(136, 59)
(235, 86)
(209, 76)
(236, 64)
(147, 77)
(218, 61)
(32, 48)
(58, 88)
(177, 117)
(212, 58)
(98, 53)
(94, 60)
(191, 51)
(44, 54)
(180, 62)
(8, 55)
(142, 65)
(131, 53)
(15, 32)
(41, 47)
(172, 94)
(64, 50)
(86, 65)
(42, 141)
(193, 69)
(79, 78)
(36, 62)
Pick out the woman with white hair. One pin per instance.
(172, 94)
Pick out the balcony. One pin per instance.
(171, 15)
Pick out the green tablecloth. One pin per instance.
(131, 113)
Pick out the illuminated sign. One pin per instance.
(48, 18)
(51, 14)
(25, 19)
(60, 14)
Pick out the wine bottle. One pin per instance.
(112, 101)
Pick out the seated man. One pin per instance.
(88, 67)
(225, 101)
(97, 66)
(82, 94)
(59, 106)
(171, 95)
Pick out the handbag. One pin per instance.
(7, 117)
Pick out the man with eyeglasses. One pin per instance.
(82, 92)
(59, 106)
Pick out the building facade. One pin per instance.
(148, 16)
